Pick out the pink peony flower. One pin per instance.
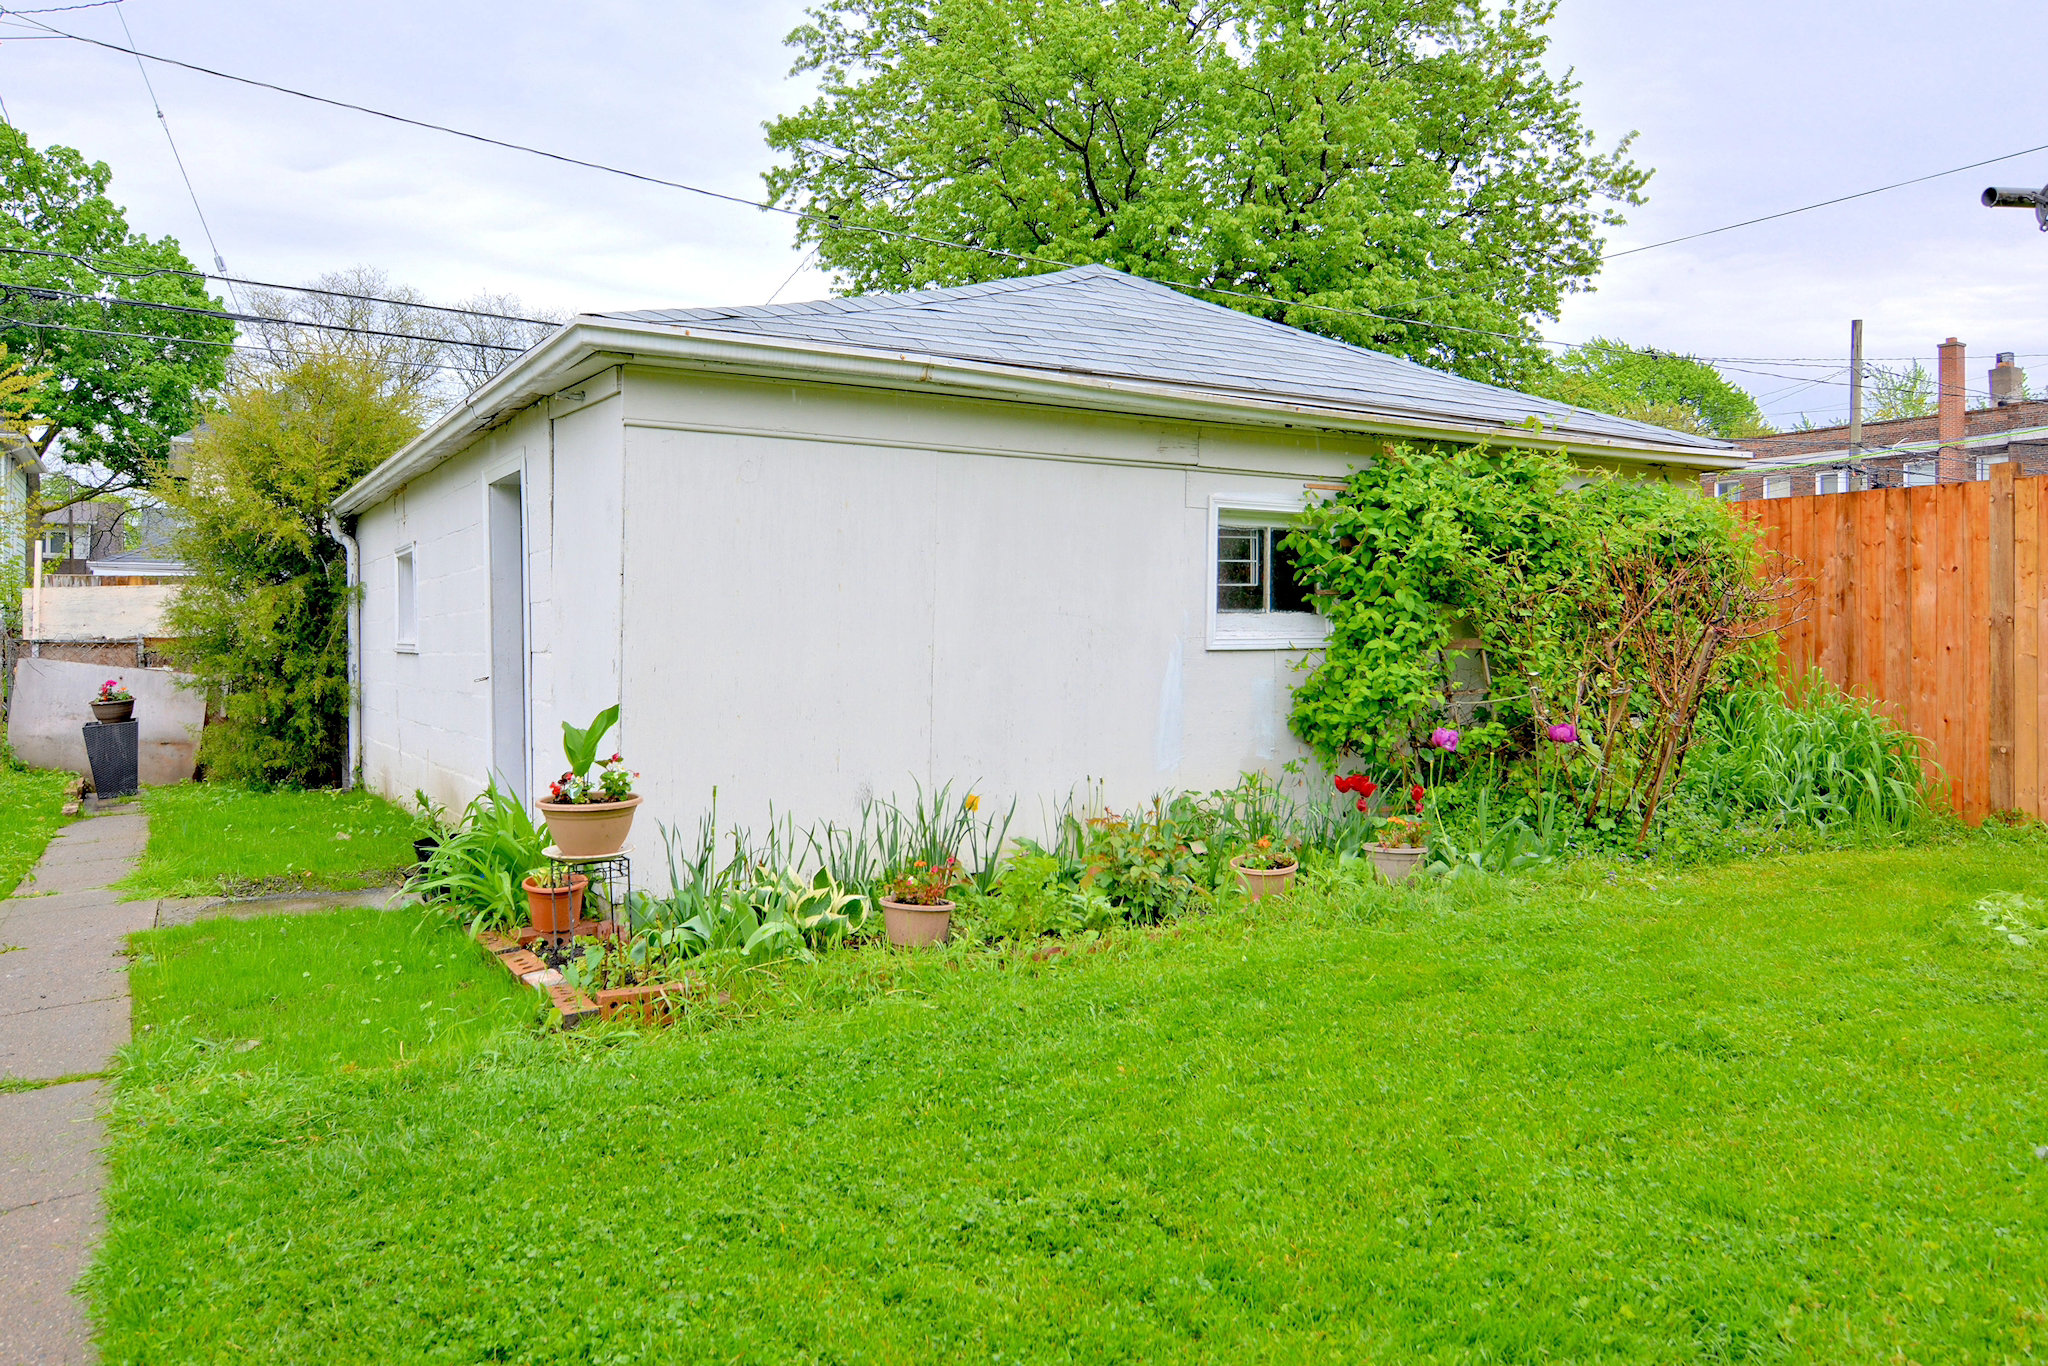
(1565, 733)
(1445, 739)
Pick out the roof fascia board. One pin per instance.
(587, 346)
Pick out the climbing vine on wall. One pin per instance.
(1543, 566)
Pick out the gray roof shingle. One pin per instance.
(1100, 322)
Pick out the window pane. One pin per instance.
(1240, 555)
(1289, 593)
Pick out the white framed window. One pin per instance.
(1838, 481)
(1778, 486)
(1727, 488)
(1922, 473)
(405, 601)
(1256, 602)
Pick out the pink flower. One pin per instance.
(1445, 739)
(1565, 733)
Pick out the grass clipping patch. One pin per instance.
(220, 840)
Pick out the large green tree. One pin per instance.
(1412, 159)
(263, 621)
(1671, 390)
(119, 381)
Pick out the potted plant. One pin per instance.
(1265, 869)
(916, 905)
(589, 809)
(555, 902)
(429, 824)
(1402, 842)
(114, 703)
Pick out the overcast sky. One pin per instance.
(1743, 107)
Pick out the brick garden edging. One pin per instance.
(657, 1003)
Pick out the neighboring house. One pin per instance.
(1020, 535)
(1957, 444)
(19, 471)
(107, 576)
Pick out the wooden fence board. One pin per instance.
(2026, 648)
(1971, 703)
(1895, 688)
(1926, 709)
(2000, 686)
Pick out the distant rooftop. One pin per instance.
(1100, 322)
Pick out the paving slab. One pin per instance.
(63, 1011)
(64, 1040)
(49, 1218)
(58, 975)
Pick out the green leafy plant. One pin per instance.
(480, 864)
(611, 783)
(1034, 896)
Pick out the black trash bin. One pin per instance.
(114, 750)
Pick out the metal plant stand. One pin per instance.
(611, 880)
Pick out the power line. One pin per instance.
(59, 9)
(133, 274)
(1825, 203)
(112, 300)
(184, 175)
(264, 348)
(1027, 258)
(804, 215)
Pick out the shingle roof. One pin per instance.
(1101, 322)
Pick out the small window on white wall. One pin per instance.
(1256, 601)
(406, 601)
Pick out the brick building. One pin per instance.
(1955, 445)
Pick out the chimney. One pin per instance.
(2008, 382)
(1952, 425)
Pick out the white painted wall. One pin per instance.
(805, 594)
(99, 611)
(918, 591)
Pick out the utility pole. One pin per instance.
(1856, 384)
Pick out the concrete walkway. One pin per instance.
(63, 1010)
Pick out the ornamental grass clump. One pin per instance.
(1820, 757)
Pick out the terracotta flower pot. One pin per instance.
(555, 910)
(106, 713)
(917, 927)
(1396, 862)
(1264, 881)
(590, 829)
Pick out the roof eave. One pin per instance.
(571, 353)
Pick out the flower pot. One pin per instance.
(1396, 862)
(590, 829)
(916, 927)
(1264, 881)
(555, 910)
(106, 713)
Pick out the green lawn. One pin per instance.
(209, 839)
(1777, 1110)
(31, 809)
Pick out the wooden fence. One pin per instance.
(1931, 603)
